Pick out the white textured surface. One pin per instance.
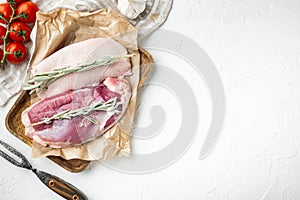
(255, 45)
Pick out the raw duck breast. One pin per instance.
(78, 53)
(78, 130)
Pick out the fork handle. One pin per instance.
(61, 187)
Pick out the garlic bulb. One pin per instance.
(131, 8)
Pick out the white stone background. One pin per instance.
(255, 45)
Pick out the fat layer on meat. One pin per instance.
(78, 53)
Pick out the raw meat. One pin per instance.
(78, 53)
(78, 130)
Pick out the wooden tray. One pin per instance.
(14, 125)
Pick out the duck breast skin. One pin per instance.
(82, 53)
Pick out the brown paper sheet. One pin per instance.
(62, 27)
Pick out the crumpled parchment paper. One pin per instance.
(154, 16)
(63, 26)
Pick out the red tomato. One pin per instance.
(1, 54)
(5, 11)
(17, 52)
(19, 32)
(17, 2)
(28, 11)
(2, 34)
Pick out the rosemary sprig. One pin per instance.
(41, 81)
(109, 106)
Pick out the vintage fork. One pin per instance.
(56, 184)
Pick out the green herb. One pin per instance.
(41, 81)
(109, 106)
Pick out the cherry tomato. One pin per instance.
(1, 54)
(5, 12)
(28, 11)
(19, 32)
(16, 2)
(17, 52)
(2, 34)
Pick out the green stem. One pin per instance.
(5, 52)
(1, 17)
(22, 15)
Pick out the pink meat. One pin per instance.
(78, 130)
(83, 52)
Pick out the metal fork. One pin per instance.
(56, 184)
